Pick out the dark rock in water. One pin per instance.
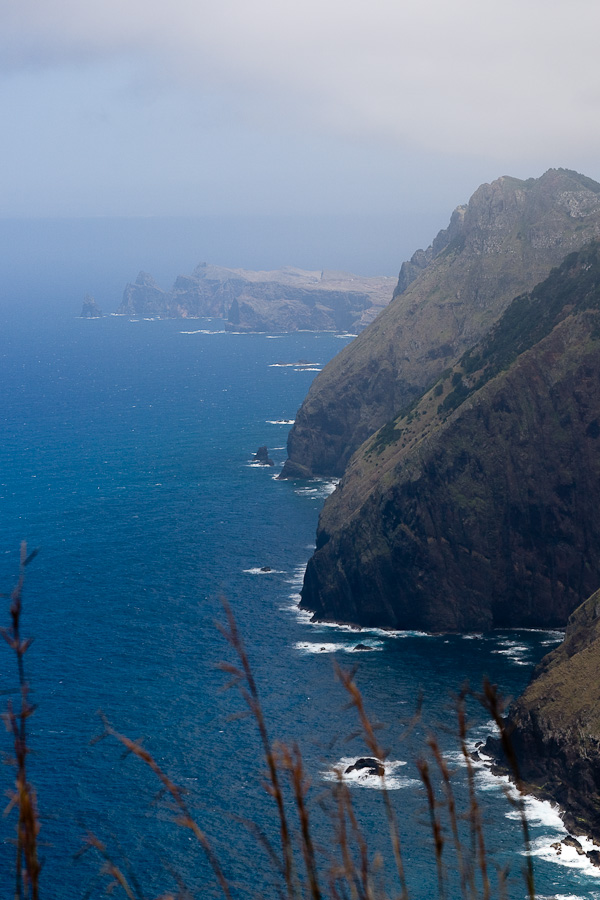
(90, 309)
(570, 841)
(594, 857)
(262, 456)
(557, 846)
(477, 507)
(293, 470)
(266, 569)
(368, 764)
(554, 726)
(363, 647)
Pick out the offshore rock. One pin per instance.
(287, 299)
(505, 241)
(90, 309)
(367, 764)
(554, 725)
(262, 456)
(478, 507)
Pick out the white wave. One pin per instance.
(280, 422)
(203, 331)
(568, 857)
(257, 570)
(302, 615)
(345, 335)
(308, 647)
(562, 897)
(317, 488)
(320, 647)
(273, 337)
(390, 781)
(540, 813)
(282, 365)
(471, 637)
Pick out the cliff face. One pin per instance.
(478, 506)
(285, 300)
(502, 243)
(555, 724)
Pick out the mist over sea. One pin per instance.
(126, 457)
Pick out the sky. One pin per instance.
(282, 108)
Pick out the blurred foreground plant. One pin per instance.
(346, 870)
(22, 798)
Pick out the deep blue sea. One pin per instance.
(126, 458)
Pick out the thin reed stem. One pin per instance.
(27, 865)
(244, 680)
(492, 702)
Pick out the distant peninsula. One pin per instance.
(287, 299)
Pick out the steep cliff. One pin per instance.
(555, 724)
(287, 299)
(478, 506)
(505, 241)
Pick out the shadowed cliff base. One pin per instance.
(504, 242)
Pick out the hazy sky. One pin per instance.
(188, 107)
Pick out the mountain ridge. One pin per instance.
(502, 243)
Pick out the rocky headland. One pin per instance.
(502, 243)
(478, 505)
(288, 299)
(554, 726)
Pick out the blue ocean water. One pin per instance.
(126, 458)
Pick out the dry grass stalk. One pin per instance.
(243, 679)
(492, 702)
(23, 798)
(368, 730)
(185, 819)
(478, 849)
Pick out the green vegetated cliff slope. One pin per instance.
(555, 725)
(478, 506)
(505, 241)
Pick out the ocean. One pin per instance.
(126, 458)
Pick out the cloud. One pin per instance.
(501, 80)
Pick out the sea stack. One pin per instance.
(90, 309)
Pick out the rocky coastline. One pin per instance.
(554, 726)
